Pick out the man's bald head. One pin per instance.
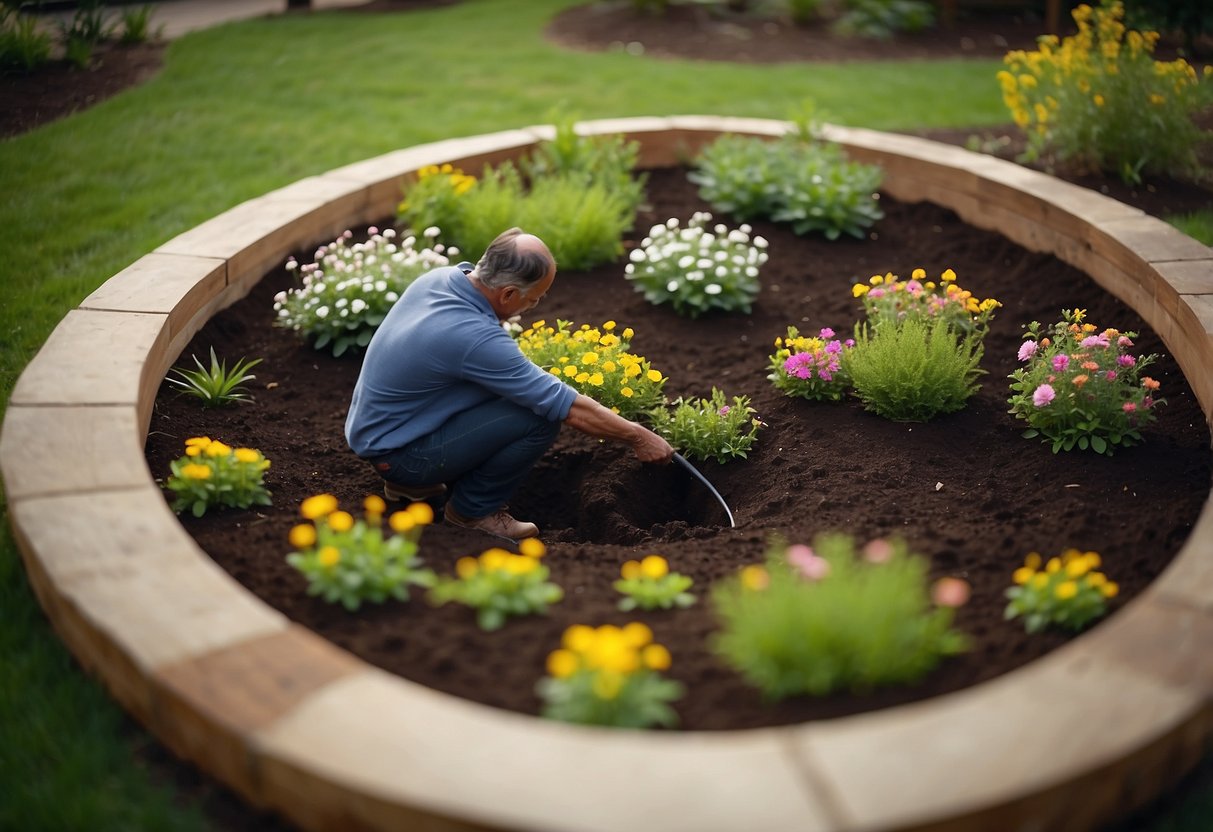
(515, 258)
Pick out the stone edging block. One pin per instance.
(294, 723)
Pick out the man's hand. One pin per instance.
(650, 447)
(590, 417)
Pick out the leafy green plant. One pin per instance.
(803, 11)
(83, 31)
(136, 25)
(23, 46)
(1190, 18)
(914, 371)
(212, 474)
(709, 428)
(606, 160)
(1098, 99)
(347, 291)
(882, 19)
(1067, 592)
(215, 386)
(826, 618)
(810, 367)
(349, 561)
(695, 269)
(795, 179)
(597, 362)
(1081, 388)
(609, 676)
(500, 584)
(648, 584)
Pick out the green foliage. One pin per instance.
(1197, 224)
(609, 676)
(915, 371)
(23, 46)
(1099, 100)
(1066, 593)
(1191, 18)
(708, 428)
(816, 622)
(499, 585)
(215, 386)
(807, 183)
(1081, 388)
(803, 11)
(83, 31)
(696, 270)
(596, 362)
(649, 584)
(810, 367)
(606, 160)
(349, 561)
(136, 25)
(882, 19)
(347, 291)
(211, 474)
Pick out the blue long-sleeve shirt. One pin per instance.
(439, 351)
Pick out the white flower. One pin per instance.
(637, 255)
(745, 228)
(721, 256)
(357, 306)
(391, 297)
(671, 223)
(712, 289)
(696, 275)
(322, 312)
(432, 231)
(722, 271)
(760, 242)
(686, 262)
(751, 271)
(280, 297)
(629, 269)
(672, 286)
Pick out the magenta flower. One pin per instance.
(1110, 375)
(826, 332)
(1043, 395)
(1026, 350)
(724, 411)
(799, 364)
(1100, 340)
(807, 563)
(1060, 362)
(1126, 360)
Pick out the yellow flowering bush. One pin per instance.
(500, 584)
(214, 474)
(887, 299)
(596, 361)
(1066, 591)
(609, 676)
(648, 584)
(434, 199)
(1098, 99)
(350, 560)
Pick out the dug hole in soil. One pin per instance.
(965, 489)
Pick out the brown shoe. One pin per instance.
(499, 523)
(395, 493)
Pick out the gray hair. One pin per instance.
(503, 264)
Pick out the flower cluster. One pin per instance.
(596, 361)
(1080, 387)
(709, 428)
(433, 200)
(1066, 592)
(609, 676)
(500, 584)
(810, 366)
(1098, 99)
(350, 560)
(349, 288)
(825, 618)
(214, 474)
(696, 269)
(886, 298)
(649, 585)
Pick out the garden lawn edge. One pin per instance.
(291, 722)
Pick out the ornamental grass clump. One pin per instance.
(695, 269)
(810, 367)
(1067, 592)
(350, 561)
(212, 474)
(500, 584)
(797, 179)
(1080, 387)
(215, 386)
(827, 618)
(347, 291)
(1098, 100)
(609, 676)
(710, 428)
(596, 361)
(648, 584)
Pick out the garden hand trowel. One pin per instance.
(681, 461)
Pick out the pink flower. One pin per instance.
(1128, 407)
(878, 551)
(799, 364)
(1026, 350)
(1124, 341)
(1110, 375)
(1043, 395)
(724, 411)
(1126, 360)
(806, 562)
(1100, 340)
(1060, 362)
(876, 293)
(951, 592)
(826, 332)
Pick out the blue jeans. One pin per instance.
(484, 453)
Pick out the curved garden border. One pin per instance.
(294, 723)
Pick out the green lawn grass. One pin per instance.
(245, 108)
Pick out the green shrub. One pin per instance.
(709, 428)
(914, 371)
(605, 160)
(1098, 99)
(212, 474)
(136, 25)
(1191, 18)
(1081, 388)
(695, 269)
(805, 182)
(23, 46)
(1067, 592)
(882, 19)
(500, 585)
(803, 11)
(815, 622)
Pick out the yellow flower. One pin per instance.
(318, 506)
(655, 657)
(948, 276)
(193, 450)
(520, 565)
(197, 442)
(1066, 590)
(196, 471)
(562, 664)
(581, 378)
(401, 522)
(246, 455)
(1110, 589)
(627, 392)
(532, 547)
(636, 634)
(341, 521)
(578, 638)
(1040, 580)
(1098, 99)
(494, 560)
(607, 684)
(329, 556)
(627, 333)
(632, 370)
(589, 358)
(609, 367)
(1054, 565)
(859, 290)
(654, 567)
(755, 577)
(374, 504)
(596, 379)
(653, 376)
(570, 370)
(630, 570)
(466, 567)
(875, 280)
(216, 449)
(421, 513)
(1022, 575)
(302, 536)
(1077, 567)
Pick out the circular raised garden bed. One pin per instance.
(294, 723)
